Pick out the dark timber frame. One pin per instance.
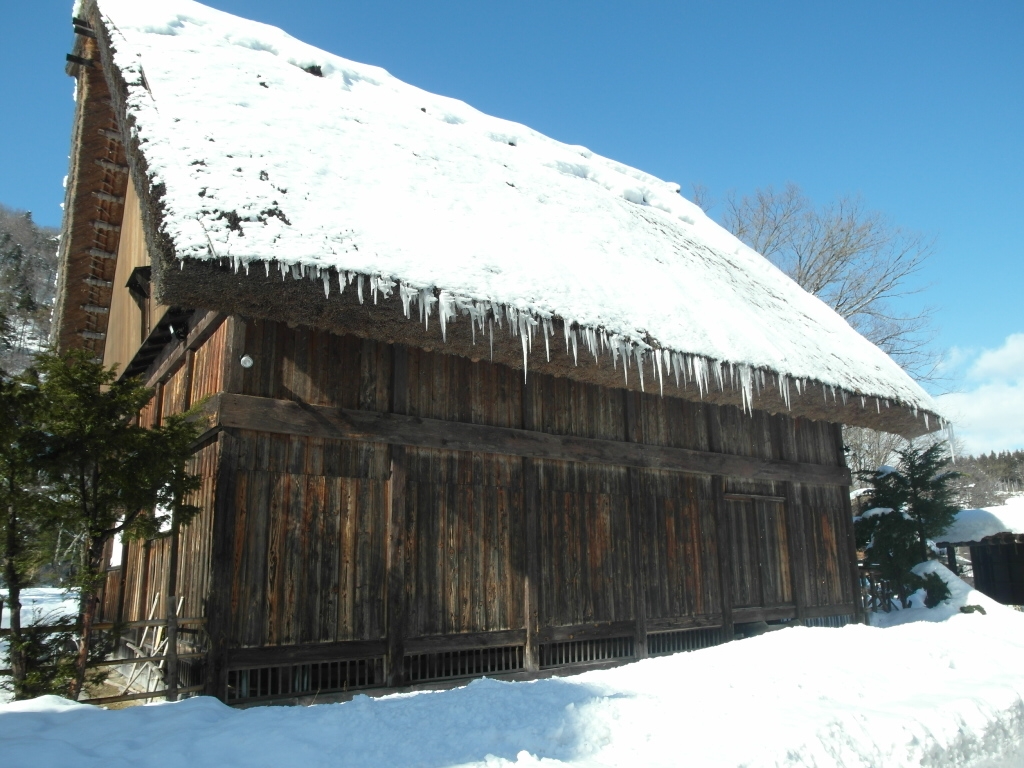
(379, 517)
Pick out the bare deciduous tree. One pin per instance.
(854, 259)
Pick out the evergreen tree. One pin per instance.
(106, 474)
(20, 511)
(910, 506)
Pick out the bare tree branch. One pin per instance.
(855, 260)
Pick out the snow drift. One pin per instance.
(944, 691)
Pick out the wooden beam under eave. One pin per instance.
(261, 414)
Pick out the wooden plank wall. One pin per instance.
(309, 520)
(127, 327)
(309, 533)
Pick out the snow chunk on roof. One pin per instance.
(271, 150)
(976, 524)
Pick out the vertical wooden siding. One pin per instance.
(310, 515)
(464, 562)
(309, 533)
(680, 553)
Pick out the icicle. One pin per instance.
(640, 367)
(407, 294)
(445, 311)
(267, 265)
(547, 334)
(746, 387)
(490, 331)
(565, 330)
(522, 338)
(657, 368)
(676, 367)
(325, 275)
(575, 349)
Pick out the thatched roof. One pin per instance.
(258, 155)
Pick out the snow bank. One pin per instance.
(38, 604)
(976, 524)
(925, 693)
(279, 156)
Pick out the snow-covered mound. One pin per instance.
(976, 524)
(271, 153)
(943, 693)
(38, 605)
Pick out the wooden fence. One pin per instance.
(152, 655)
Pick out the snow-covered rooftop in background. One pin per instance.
(354, 171)
(976, 524)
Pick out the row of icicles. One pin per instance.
(485, 315)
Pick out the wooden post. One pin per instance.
(723, 537)
(531, 513)
(186, 387)
(860, 614)
(396, 586)
(171, 613)
(951, 559)
(637, 528)
(396, 524)
(234, 348)
(531, 577)
(123, 578)
(723, 526)
(797, 553)
(218, 604)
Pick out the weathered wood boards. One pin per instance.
(408, 514)
(294, 418)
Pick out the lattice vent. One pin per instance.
(665, 643)
(445, 665)
(304, 679)
(583, 651)
(830, 621)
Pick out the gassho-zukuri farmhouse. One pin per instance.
(480, 402)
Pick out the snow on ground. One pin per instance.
(40, 605)
(976, 524)
(943, 692)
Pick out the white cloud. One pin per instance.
(1005, 363)
(989, 414)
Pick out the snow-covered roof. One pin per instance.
(976, 524)
(271, 153)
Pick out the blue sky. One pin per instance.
(916, 106)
